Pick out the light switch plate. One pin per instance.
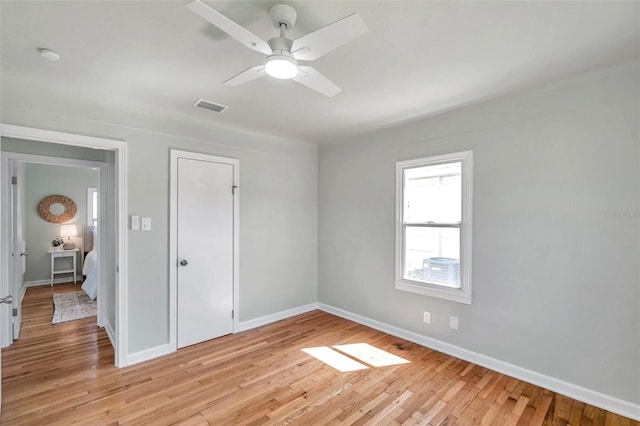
(135, 223)
(146, 223)
(453, 322)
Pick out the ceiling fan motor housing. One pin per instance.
(280, 43)
(283, 14)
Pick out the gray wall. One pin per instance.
(278, 205)
(556, 278)
(52, 150)
(42, 180)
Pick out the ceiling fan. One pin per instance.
(282, 53)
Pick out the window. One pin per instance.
(433, 226)
(92, 206)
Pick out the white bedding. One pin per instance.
(90, 271)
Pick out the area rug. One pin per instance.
(72, 306)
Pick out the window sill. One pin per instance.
(452, 294)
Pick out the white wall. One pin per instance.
(556, 278)
(42, 180)
(278, 205)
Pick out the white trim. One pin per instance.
(120, 149)
(278, 316)
(464, 293)
(5, 261)
(60, 280)
(101, 271)
(173, 237)
(149, 354)
(23, 292)
(40, 135)
(110, 333)
(122, 290)
(592, 397)
(54, 161)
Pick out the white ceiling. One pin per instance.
(418, 58)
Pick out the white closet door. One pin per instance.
(205, 251)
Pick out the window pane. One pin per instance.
(95, 205)
(433, 194)
(432, 255)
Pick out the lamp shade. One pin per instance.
(68, 231)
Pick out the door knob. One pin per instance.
(24, 253)
(184, 262)
(7, 299)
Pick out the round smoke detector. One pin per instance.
(283, 14)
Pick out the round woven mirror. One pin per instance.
(57, 208)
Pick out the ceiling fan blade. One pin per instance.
(246, 76)
(328, 38)
(236, 31)
(308, 76)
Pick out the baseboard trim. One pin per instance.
(161, 350)
(149, 354)
(23, 291)
(609, 403)
(268, 319)
(110, 334)
(59, 280)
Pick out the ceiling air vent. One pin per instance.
(210, 105)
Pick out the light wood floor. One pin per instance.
(63, 374)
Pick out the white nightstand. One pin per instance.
(56, 254)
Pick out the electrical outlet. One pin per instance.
(453, 322)
(427, 317)
(146, 223)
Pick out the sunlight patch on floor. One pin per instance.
(371, 355)
(336, 358)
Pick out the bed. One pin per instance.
(89, 265)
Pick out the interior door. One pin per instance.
(18, 250)
(6, 299)
(205, 250)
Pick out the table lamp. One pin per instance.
(68, 231)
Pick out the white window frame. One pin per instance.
(90, 192)
(464, 292)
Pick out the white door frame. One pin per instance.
(120, 150)
(173, 238)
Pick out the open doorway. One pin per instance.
(112, 245)
(52, 231)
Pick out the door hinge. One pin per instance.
(232, 314)
(233, 189)
(14, 180)
(15, 312)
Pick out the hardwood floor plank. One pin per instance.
(64, 374)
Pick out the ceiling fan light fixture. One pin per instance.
(281, 66)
